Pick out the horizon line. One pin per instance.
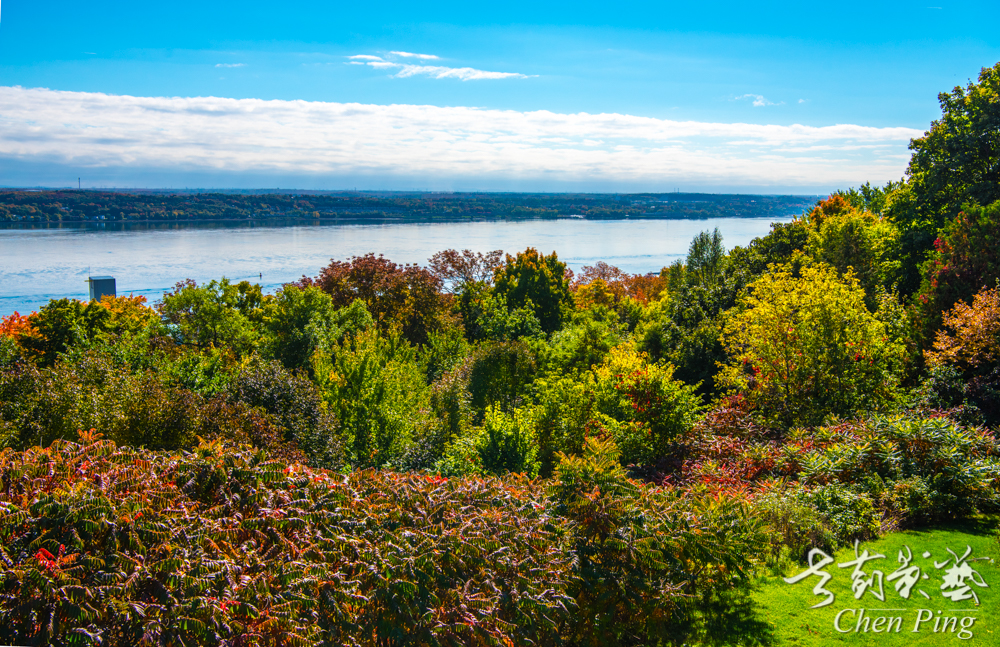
(427, 191)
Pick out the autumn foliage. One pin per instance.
(403, 296)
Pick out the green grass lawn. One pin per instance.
(782, 613)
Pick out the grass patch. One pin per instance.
(786, 607)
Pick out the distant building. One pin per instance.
(101, 286)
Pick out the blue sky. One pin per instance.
(507, 83)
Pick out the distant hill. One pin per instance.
(38, 206)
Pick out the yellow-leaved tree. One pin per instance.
(803, 348)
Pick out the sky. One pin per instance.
(513, 96)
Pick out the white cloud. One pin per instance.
(230, 65)
(461, 73)
(423, 57)
(218, 135)
(759, 101)
(434, 71)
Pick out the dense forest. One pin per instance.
(28, 207)
(491, 450)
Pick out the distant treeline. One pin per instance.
(81, 206)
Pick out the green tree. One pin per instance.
(215, 314)
(803, 348)
(706, 256)
(966, 259)
(849, 238)
(499, 373)
(955, 163)
(497, 322)
(375, 385)
(505, 443)
(300, 321)
(870, 198)
(61, 324)
(642, 406)
(583, 343)
(539, 282)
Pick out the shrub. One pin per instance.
(792, 527)
(642, 406)
(375, 387)
(505, 443)
(646, 558)
(47, 404)
(801, 349)
(849, 514)
(226, 546)
(914, 502)
(297, 407)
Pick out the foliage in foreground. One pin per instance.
(117, 546)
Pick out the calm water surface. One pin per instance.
(41, 264)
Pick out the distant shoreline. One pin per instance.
(373, 220)
(33, 208)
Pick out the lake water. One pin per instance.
(41, 264)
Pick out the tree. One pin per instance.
(870, 198)
(300, 321)
(456, 270)
(505, 443)
(780, 246)
(955, 163)
(849, 238)
(969, 343)
(376, 387)
(63, 323)
(706, 256)
(215, 314)
(496, 322)
(641, 405)
(499, 374)
(59, 325)
(397, 296)
(537, 281)
(803, 348)
(966, 259)
(970, 336)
